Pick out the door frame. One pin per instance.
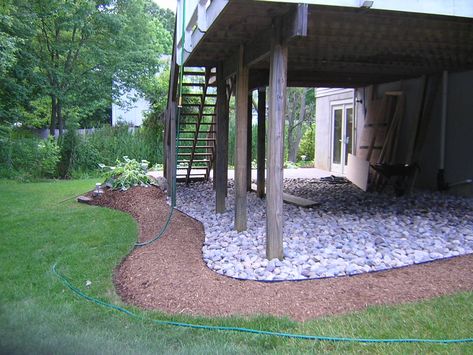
(344, 105)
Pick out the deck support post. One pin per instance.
(250, 141)
(241, 143)
(261, 155)
(277, 110)
(221, 159)
(171, 169)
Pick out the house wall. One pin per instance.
(323, 145)
(459, 137)
(459, 130)
(133, 112)
(459, 133)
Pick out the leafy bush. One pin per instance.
(305, 164)
(48, 157)
(307, 146)
(290, 165)
(126, 174)
(82, 153)
(26, 157)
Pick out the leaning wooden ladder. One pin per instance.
(197, 136)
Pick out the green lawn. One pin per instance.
(39, 315)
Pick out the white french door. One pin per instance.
(342, 135)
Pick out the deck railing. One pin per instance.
(199, 15)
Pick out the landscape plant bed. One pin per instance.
(170, 274)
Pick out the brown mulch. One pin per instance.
(171, 276)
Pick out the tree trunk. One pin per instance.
(294, 134)
(295, 141)
(59, 117)
(52, 125)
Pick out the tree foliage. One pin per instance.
(299, 117)
(80, 55)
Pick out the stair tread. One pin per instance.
(197, 147)
(199, 84)
(182, 176)
(200, 132)
(194, 161)
(200, 73)
(195, 154)
(201, 123)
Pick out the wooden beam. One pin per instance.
(230, 65)
(277, 110)
(241, 143)
(172, 152)
(261, 143)
(250, 141)
(221, 165)
(171, 113)
(294, 25)
(295, 200)
(316, 77)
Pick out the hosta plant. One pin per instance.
(126, 174)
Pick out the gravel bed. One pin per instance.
(350, 232)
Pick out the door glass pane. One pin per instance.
(349, 133)
(337, 136)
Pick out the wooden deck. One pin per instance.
(334, 46)
(276, 44)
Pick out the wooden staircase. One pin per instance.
(197, 136)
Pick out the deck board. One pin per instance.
(294, 200)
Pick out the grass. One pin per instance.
(38, 315)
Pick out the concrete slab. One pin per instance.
(299, 173)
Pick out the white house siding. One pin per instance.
(323, 125)
(133, 114)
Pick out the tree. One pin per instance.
(165, 16)
(8, 43)
(86, 52)
(299, 114)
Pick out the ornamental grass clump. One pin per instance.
(126, 174)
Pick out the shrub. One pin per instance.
(307, 146)
(82, 153)
(305, 164)
(27, 158)
(48, 157)
(126, 174)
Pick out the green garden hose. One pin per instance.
(104, 304)
(178, 119)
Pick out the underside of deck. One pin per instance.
(339, 47)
